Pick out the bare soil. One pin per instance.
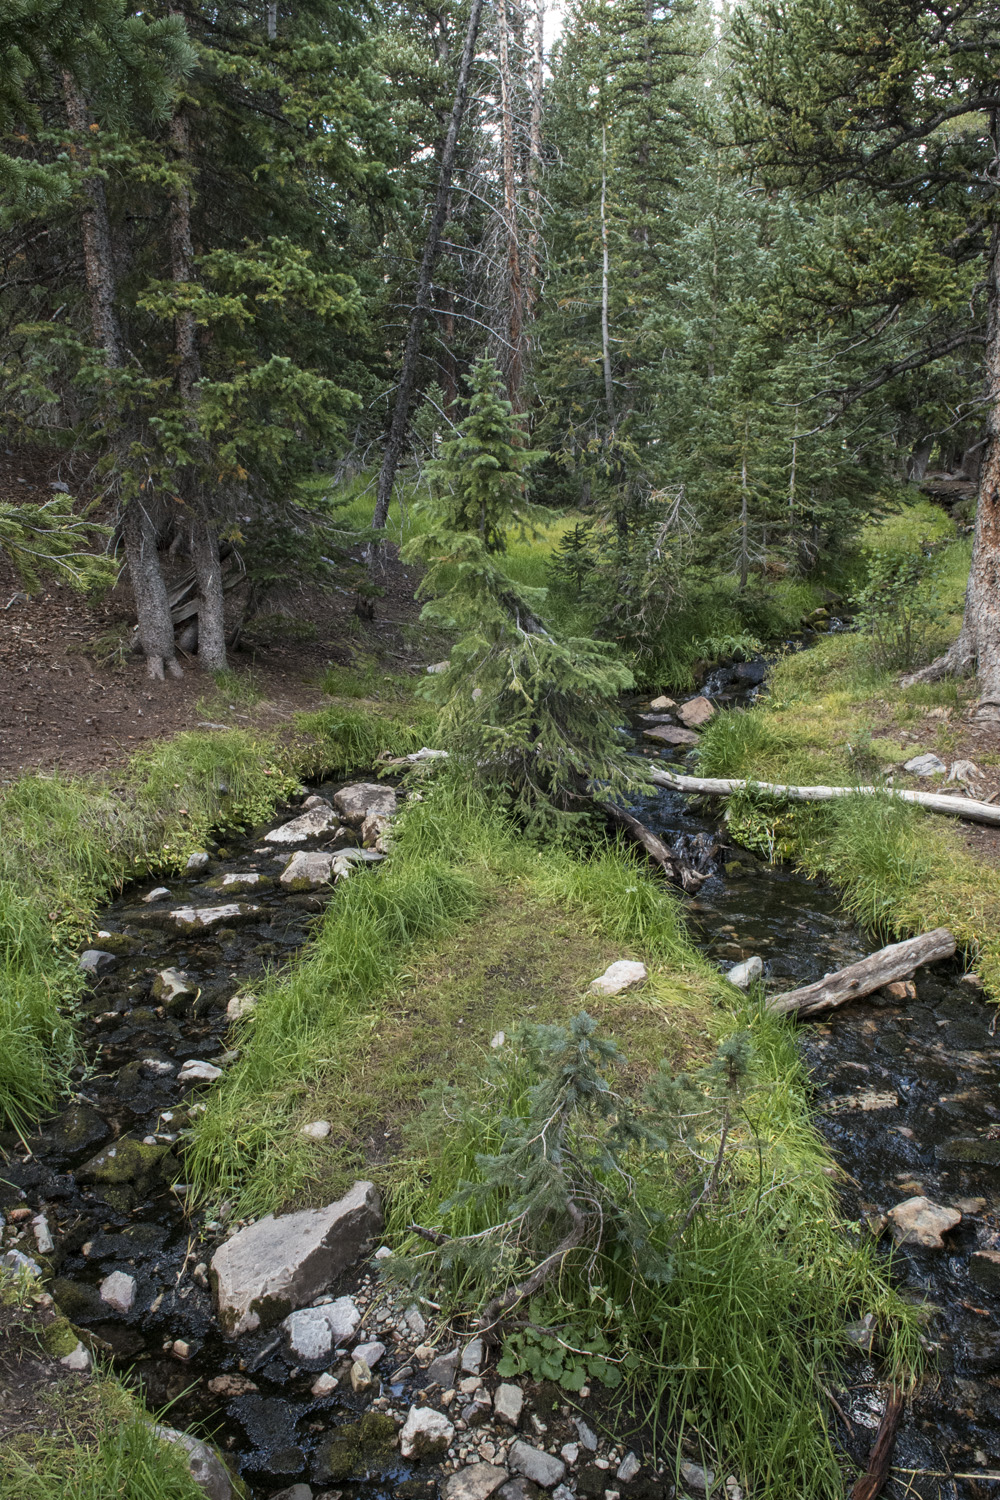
(74, 696)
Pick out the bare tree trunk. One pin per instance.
(211, 618)
(534, 286)
(978, 644)
(156, 629)
(744, 564)
(411, 354)
(514, 291)
(182, 261)
(98, 258)
(272, 20)
(609, 389)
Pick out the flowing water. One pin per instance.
(908, 1096)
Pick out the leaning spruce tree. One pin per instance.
(532, 712)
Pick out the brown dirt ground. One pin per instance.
(74, 697)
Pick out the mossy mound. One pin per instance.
(366, 1444)
(127, 1162)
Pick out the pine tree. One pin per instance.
(530, 713)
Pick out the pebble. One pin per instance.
(508, 1403)
(628, 1468)
(118, 1291)
(472, 1356)
(426, 1433)
(569, 1453)
(324, 1384)
(43, 1235)
(697, 1478)
(415, 1322)
(181, 1348)
(77, 1359)
(370, 1353)
(316, 1130)
(196, 1070)
(587, 1436)
(362, 1378)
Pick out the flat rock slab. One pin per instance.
(695, 711)
(477, 1482)
(307, 871)
(662, 702)
(201, 918)
(278, 1264)
(537, 1465)
(308, 825)
(354, 803)
(925, 765)
(670, 734)
(619, 976)
(918, 1221)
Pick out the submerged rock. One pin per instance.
(125, 1161)
(274, 1266)
(355, 803)
(619, 976)
(671, 734)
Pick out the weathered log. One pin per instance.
(676, 870)
(895, 962)
(718, 786)
(872, 1481)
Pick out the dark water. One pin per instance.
(908, 1096)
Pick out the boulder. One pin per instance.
(662, 703)
(508, 1404)
(537, 1465)
(426, 1433)
(670, 734)
(743, 975)
(307, 871)
(477, 1482)
(95, 961)
(308, 825)
(695, 711)
(207, 1469)
(619, 976)
(124, 1161)
(314, 1331)
(196, 863)
(278, 1264)
(354, 803)
(925, 765)
(918, 1221)
(118, 1291)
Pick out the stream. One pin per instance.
(907, 1094)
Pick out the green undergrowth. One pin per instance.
(68, 844)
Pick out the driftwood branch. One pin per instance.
(871, 1482)
(497, 1306)
(674, 869)
(884, 967)
(939, 802)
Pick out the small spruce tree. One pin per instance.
(524, 710)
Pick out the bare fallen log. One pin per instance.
(675, 870)
(718, 786)
(872, 1481)
(897, 961)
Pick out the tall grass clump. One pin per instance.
(340, 738)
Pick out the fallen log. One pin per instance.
(675, 870)
(718, 786)
(897, 961)
(872, 1481)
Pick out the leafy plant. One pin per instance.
(571, 1357)
(900, 608)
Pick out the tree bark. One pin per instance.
(156, 629)
(897, 961)
(182, 260)
(514, 289)
(719, 786)
(872, 1481)
(978, 644)
(533, 289)
(211, 618)
(609, 389)
(399, 425)
(98, 258)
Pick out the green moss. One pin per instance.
(366, 1444)
(60, 1338)
(126, 1161)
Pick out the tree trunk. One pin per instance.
(978, 644)
(609, 389)
(182, 261)
(898, 961)
(514, 291)
(411, 354)
(211, 617)
(533, 288)
(744, 562)
(156, 629)
(98, 259)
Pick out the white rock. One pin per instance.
(207, 1469)
(477, 1482)
(424, 754)
(324, 1384)
(535, 1464)
(313, 1332)
(195, 1070)
(382, 1253)
(733, 1489)
(663, 703)
(316, 1130)
(964, 770)
(93, 960)
(697, 1478)
(619, 976)
(196, 863)
(439, 666)
(370, 1353)
(292, 1259)
(362, 1378)
(354, 803)
(158, 893)
(569, 1453)
(587, 1436)
(743, 975)
(498, 1039)
(190, 918)
(248, 877)
(918, 1221)
(508, 1404)
(14, 1260)
(628, 1468)
(76, 1359)
(315, 801)
(43, 1235)
(426, 1433)
(171, 984)
(925, 765)
(415, 1322)
(159, 1067)
(563, 1492)
(307, 871)
(118, 1291)
(308, 825)
(240, 1006)
(472, 1356)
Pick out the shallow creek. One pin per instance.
(908, 1096)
